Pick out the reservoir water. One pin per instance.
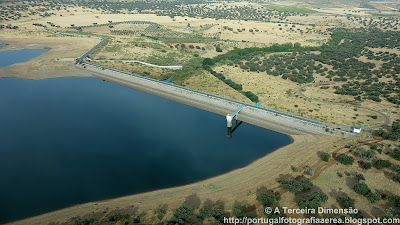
(66, 141)
(11, 57)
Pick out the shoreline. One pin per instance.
(242, 178)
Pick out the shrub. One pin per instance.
(396, 169)
(181, 215)
(373, 197)
(396, 154)
(309, 171)
(183, 212)
(366, 166)
(267, 199)
(369, 154)
(396, 178)
(361, 188)
(118, 217)
(345, 202)
(346, 160)
(313, 200)
(239, 212)
(208, 62)
(360, 177)
(394, 200)
(295, 186)
(204, 213)
(216, 213)
(380, 164)
(137, 219)
(160, 213)
(91, 221)
(325, 156)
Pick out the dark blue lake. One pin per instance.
(66, 141)
(11, 57)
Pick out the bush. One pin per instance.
(295, 186)
(325, 156)
(313, 200)
(216, 213)
(396, 178)
(396, 154)
(267, 199)
(250, 95)
(345, 202)
(183, 212)
(362, 189)
(160, 213)
(373, 197)
(208, 62)
(239, 212)
(204, 213)
(91, 221)
(346, 160)
(309, 171)
(380, 164)
(118, 217)
(137, 219)
(181, 215)
(366, 166)
(360, 177)
(369, 154)
(394, 201)
(396, 169)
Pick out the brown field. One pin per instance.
(206, 82)
(268, 33)
(276, 93)
(57, 62)
(329, 95)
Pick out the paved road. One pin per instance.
(384, 124)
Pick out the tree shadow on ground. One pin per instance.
(192, 201)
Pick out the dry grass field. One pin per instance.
(210, 84)
(56, 62)
(276, 93)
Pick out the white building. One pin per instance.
(356, 130)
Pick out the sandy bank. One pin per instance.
(49, 64)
